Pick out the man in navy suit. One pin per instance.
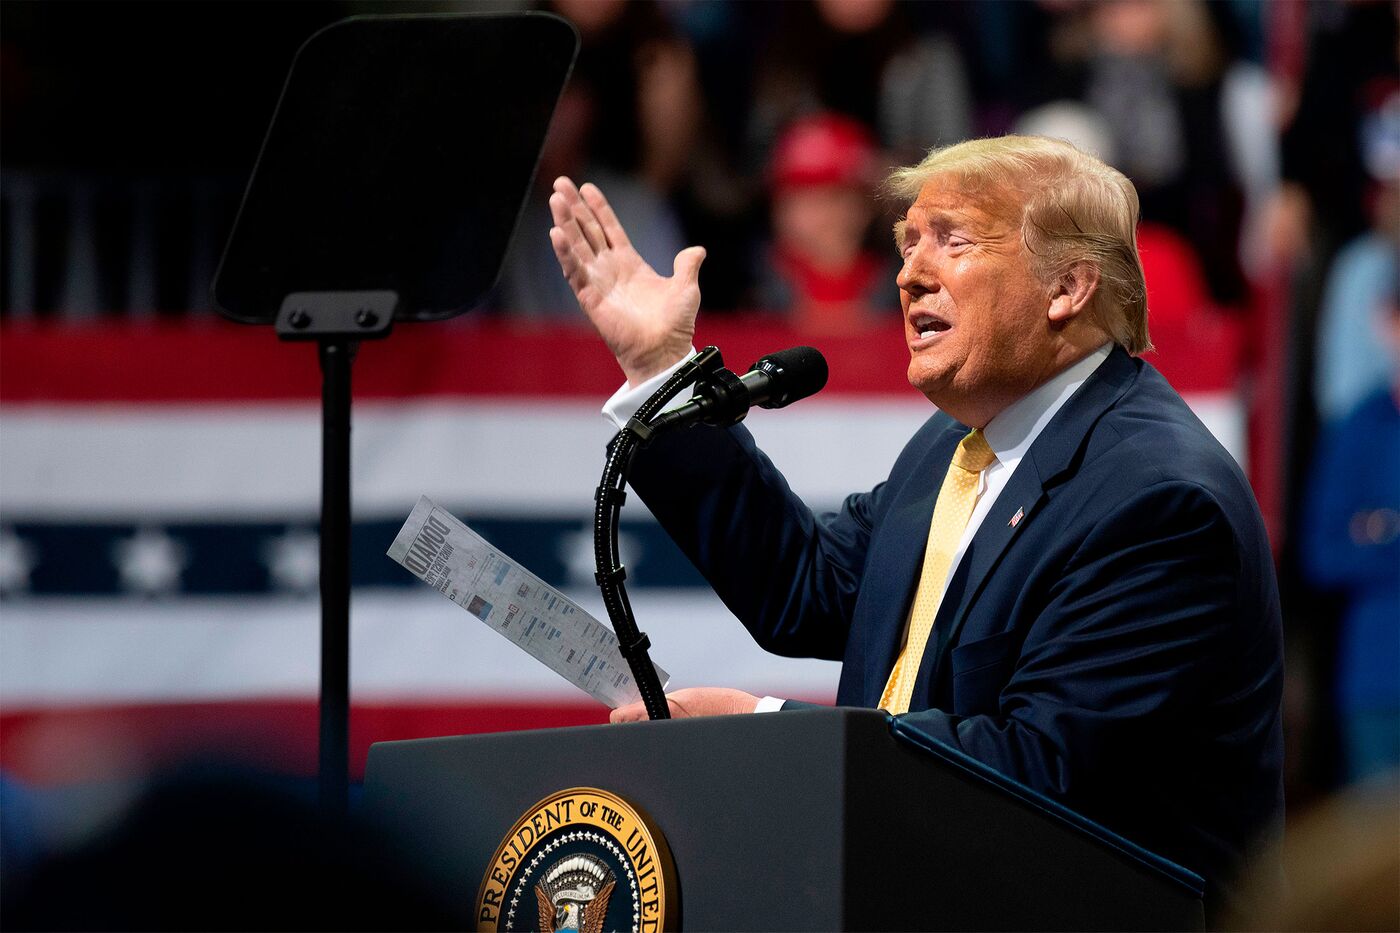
(1108, 628)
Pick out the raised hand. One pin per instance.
(646, 319)
(693, 701)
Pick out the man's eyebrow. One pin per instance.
(948, 219)
(938, 219)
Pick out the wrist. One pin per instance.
(641, 370)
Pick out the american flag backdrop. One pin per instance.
(159, 488)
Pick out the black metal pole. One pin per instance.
(337, 355)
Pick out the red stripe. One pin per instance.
(216, 361)
(73, 744)
(56, 746)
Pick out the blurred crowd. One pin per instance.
(762, 130)
(1263, 137)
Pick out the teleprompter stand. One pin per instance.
(398, 161)
(337, 321)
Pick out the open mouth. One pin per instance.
(926, 325)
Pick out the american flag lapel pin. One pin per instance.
(1015, 519)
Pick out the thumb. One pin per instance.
(687, 264)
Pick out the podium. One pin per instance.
(805, 820)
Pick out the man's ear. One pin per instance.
(1073, 291)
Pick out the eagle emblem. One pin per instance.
(574, 895)
(580, 850)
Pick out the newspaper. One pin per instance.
(463, 566)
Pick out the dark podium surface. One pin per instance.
(818, 819)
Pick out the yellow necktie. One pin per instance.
(956, 499)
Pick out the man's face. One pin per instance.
(975, 314)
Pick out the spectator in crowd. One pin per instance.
(640, 74)
(1351, 546)
(1155, 70)
(1352, 73)
(1176, 285)
(1351, 364)
(719, 195)
(522, 290)
(865, 59)
(819, 267)
(627, 115)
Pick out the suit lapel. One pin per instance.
(1024, 494)
(1054, 453)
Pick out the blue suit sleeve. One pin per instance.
(789, 575)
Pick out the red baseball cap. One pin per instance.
(823, 149)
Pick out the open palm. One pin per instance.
(646, 319)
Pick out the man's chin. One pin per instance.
(931, 384)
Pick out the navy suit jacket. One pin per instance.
(1119, 647)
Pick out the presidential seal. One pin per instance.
(582, 859)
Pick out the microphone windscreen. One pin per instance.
(795, 373)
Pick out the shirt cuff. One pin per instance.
(769, 705)
(625, 401)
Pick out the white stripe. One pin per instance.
(498, 457)
(1224, 415)
(403, 645)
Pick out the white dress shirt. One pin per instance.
(1010, 434)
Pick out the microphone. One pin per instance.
(775, 381)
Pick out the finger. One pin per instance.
(570, 263)
(612, 228)
(592, 228)
(632, 712)
(687, 265)
(566, 220)
(576, 273)
(564, 252)
(583, 214)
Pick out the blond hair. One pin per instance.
(1075, 209)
